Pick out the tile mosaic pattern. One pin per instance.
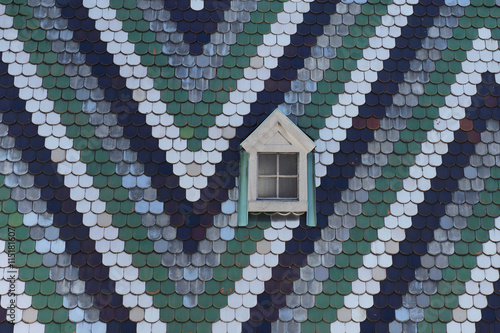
(120, 130)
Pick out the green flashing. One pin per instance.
(243, 190)
(311, 192)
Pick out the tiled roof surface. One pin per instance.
(121, 124)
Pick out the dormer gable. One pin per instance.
(278, 134)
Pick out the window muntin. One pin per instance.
(277, 176)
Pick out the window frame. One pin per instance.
(266, 205)
(278, 176)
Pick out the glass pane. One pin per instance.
(266, 187)
(267, 164)
(288, 188)
(288, 164)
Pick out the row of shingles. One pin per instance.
(458, 62)
(189, 61)
(222, 81)
(179, 286)
(87, 272)
(351, 206)
(373, 110)
(347, 208)
(234, 63)
(78, 243)
(229, 165)
(405, 263)
(27, 140)
(256, 45)
(7, 93)
(30, 199)
(296, 250)
(386, 123)
(109, 134)
(87, 90)
(464, 230)
(207, 78)
(288, 65)
(347, 95)
(472, 228)
(489, 321)
(260, 249)
(375, 107)
(386, 131)
(233, 254)
(297, 281)
(206, 273)
(282, 279)
(477, 215)
(190, 218)
(388, 126)
(429, 286)
(38, 257)
(490, 315)
(324, 80)
(92, 114)
(315, 90)
(192, 124)
(197, 25)
(408, 300)
(5, 324)
(129, 135)
(433, 250)
(284, 65)
(384, 196)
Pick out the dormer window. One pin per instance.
(274, 168)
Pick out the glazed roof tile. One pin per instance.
(120, 130)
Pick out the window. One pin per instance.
(277, 176)
(276, 170)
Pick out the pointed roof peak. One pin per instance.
(278, 130)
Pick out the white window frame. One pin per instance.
(278, 176)
(277, 134)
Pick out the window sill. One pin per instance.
(285, 206)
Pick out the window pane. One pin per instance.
(288, 164)
(266, 187)
(288, 187)
(267, 164)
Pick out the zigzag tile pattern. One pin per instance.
(120, 130)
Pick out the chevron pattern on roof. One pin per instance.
(120, 130)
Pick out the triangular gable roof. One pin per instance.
(278, 130)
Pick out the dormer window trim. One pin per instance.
(276, 135)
